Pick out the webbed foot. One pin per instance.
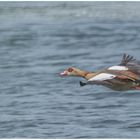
(82, 83)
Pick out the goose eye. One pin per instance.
(70, 70)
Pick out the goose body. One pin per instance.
(125, 76)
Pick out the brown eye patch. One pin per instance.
(70, 69)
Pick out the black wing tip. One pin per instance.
(82, 83)
(126, 59)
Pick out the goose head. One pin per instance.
(70, 72)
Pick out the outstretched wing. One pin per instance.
(131, 63)
(127, 59)
(109, 76)
(108, 79)
(102, 77)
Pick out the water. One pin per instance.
(38, 40)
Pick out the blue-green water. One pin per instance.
(38, 40)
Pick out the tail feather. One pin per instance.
(82, 83)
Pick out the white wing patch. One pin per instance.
(118, 68)
(102, 77)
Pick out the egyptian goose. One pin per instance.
(125, 76)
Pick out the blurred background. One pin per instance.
(38, 40)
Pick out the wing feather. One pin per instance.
(131, 63)
(127, 59)
(102, 77)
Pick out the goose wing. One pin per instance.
(109, 76)
(130, 63)
(106, 79)
(102, 77)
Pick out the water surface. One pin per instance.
(38, 41)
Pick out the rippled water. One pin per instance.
(38, 40)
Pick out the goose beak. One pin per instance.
(63, 73)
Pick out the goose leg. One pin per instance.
(82, 83)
